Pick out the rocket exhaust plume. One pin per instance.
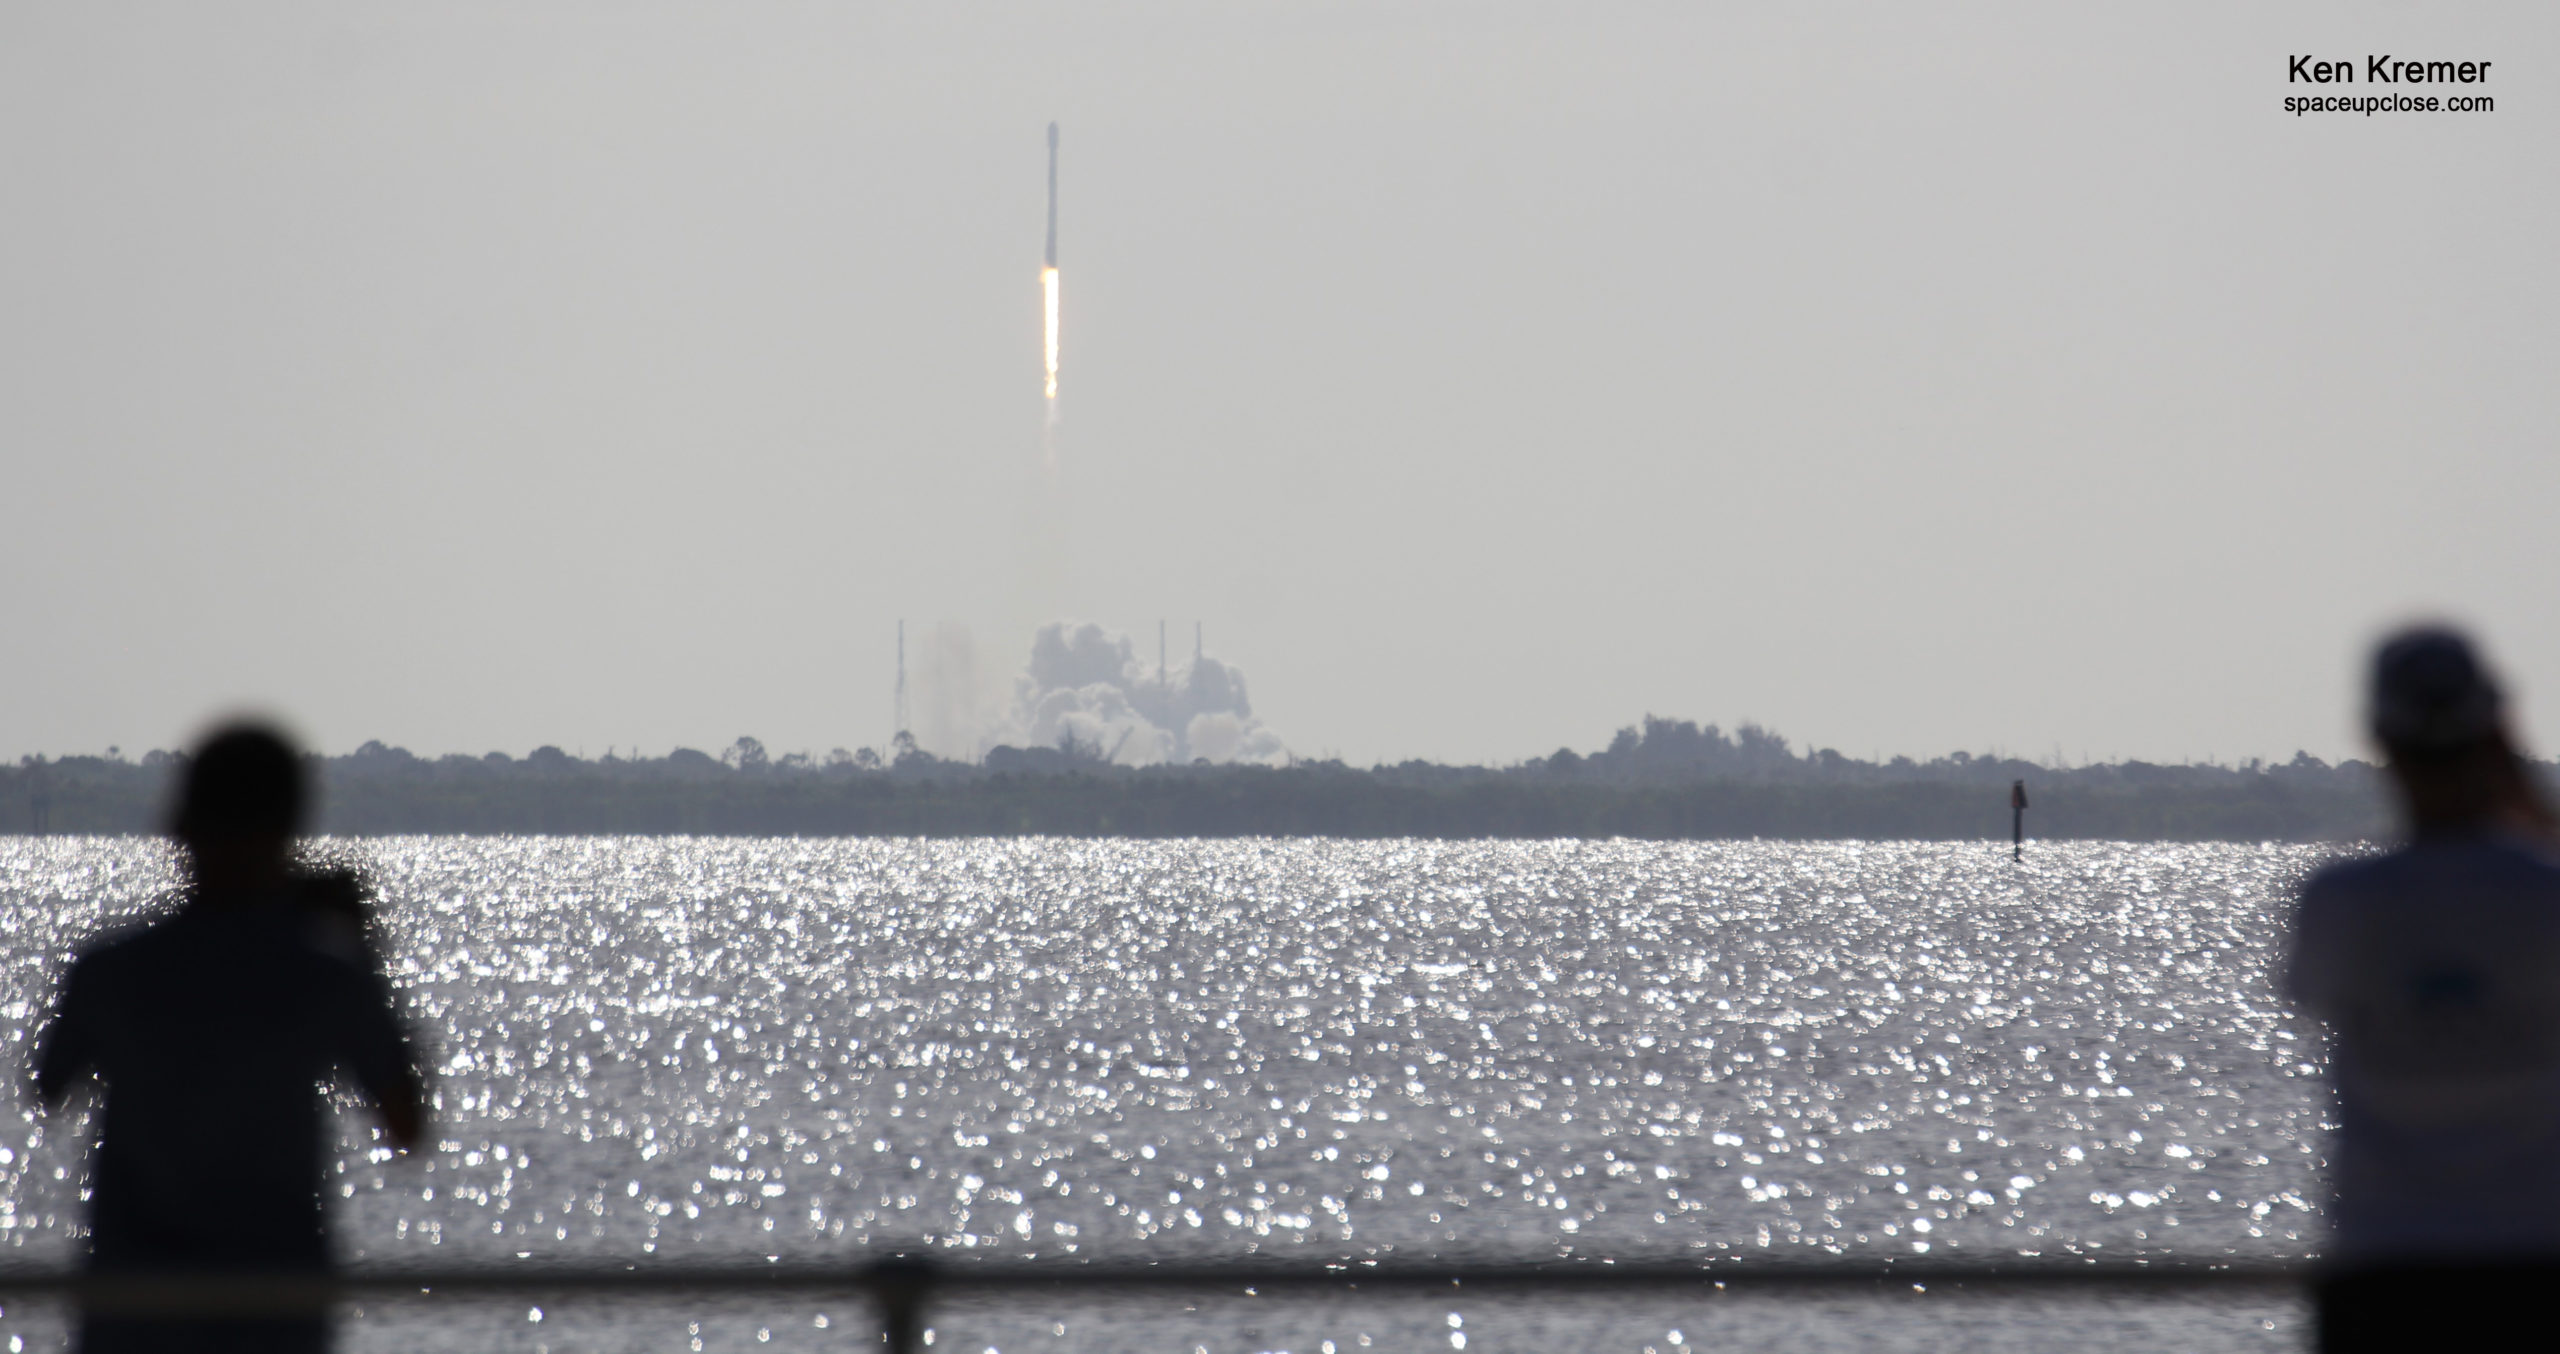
(1049, 298)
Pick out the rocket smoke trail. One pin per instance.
(1049, 298)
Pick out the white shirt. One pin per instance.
(2437, 968)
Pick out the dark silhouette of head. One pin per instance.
(240, 806)
(2441, 718)
(2431, 696)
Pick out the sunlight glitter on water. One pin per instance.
(714, 1048)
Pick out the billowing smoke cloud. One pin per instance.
(1087, 684)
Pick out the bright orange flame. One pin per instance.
(1049, 295)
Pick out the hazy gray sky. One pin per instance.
(1485, 376)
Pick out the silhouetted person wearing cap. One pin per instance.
(216, 1030)
(2437, 968)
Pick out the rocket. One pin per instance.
(1049, 295)
(1049, 258)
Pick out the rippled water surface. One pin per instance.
(1032, 1048)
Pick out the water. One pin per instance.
(715, 1049)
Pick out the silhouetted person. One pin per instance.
(2437, 968)
(215, 1030)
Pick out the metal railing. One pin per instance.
(903, 1285)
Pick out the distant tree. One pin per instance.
(1759, 746)
(747, 754)
(1662, 779)
(795, 761)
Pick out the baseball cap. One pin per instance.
(2431, 693)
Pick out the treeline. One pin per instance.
(1663, 779)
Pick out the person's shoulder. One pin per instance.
(2494, 860)
(2523, 861)
(122, 940)
(2355, 875)
(126, 948)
